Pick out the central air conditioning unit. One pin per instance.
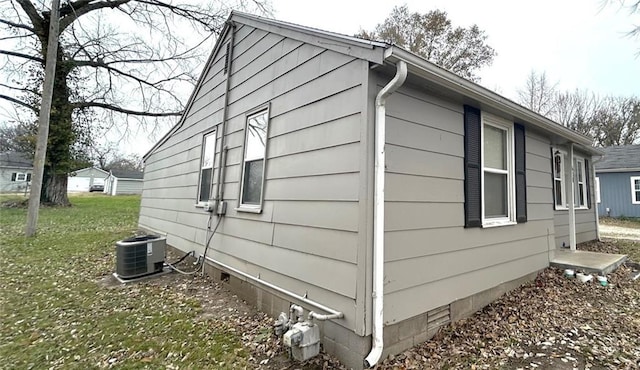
(140, 256)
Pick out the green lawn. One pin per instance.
(57, 314)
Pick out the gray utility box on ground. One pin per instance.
(140, 255)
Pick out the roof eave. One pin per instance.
(483, 95)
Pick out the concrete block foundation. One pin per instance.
(347, 346)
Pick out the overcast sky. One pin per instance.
(579, 43)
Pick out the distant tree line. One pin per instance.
(610, 120)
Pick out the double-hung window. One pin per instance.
(580, 192)
(558, 179)
(253, 164)
(206, 167)
(497, 171)
(635, 189)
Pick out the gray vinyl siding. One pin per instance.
(616, 194)
(128, 186)
(8, 186)
(306, 237)
(430, 258)
(585, 218)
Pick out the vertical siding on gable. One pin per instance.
(615, 194)
(430, 258)
(310, 214)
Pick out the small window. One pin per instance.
(497, 172)
(206, 167)
(255, 148)
(580, 192)
(21, 176)
(558, 179)
(635, 189)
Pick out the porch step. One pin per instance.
(589, 262)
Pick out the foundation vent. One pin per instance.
(438, 317)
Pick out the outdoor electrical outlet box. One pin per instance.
(222, 208)
(304, 340)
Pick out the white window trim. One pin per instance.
(19, 175)
(597, 189)
(254, 208)
(502, 124)
(580, 163)
(563, 188)
(199, 203)
(633, 189)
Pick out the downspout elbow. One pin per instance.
(378, 224)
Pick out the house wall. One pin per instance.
(8, 186)
(431, 260)
(585, 218)
(615, 194)
(307, 238)
(128, 186)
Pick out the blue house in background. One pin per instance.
(618, 177)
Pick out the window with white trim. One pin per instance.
(580, 192)
(498, 188)
(20, 177)
(635, 189)
(206, 167)
(558, 180)
(253, 164)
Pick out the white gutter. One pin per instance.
(378, 215)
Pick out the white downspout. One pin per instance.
(572, 208)
(378, 215)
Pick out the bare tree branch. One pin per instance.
(19, 102)
(21, 55)
(114, 108)
(18, 25)
(82, 7)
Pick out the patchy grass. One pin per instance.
(57, 314)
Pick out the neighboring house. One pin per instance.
(399, 212)
(618, 174)
(15, 172)
(82, 180)
(120, 182)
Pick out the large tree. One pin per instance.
(461, 50)
(119, 63)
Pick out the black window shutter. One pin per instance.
(521, 173)
(472, 168)
(587, 175)
(13, 176)
(28, 177)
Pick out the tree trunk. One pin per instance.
(54, 190)
(61, 138)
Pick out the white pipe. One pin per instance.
(572, 208)
(337, 314)
(320, 317)
(378, 215)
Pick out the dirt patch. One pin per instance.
(612, 231)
